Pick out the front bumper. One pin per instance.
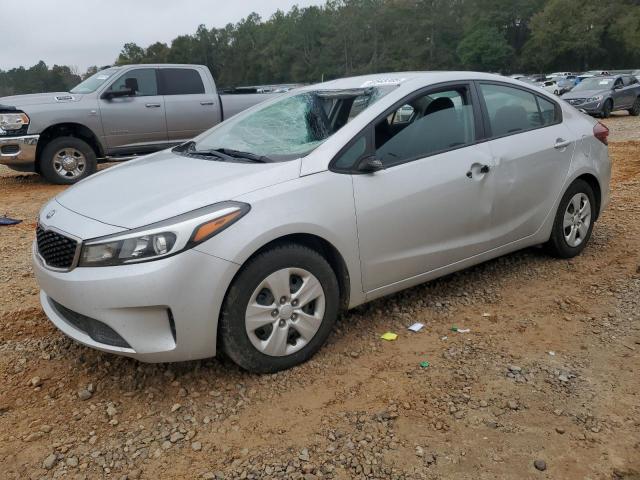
(164, 311)
(19, 153)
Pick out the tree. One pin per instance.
(485, 48)
(131, 53)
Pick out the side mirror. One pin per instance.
(370, 164)
(617, 87)
(109, 94)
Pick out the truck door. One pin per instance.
(191, 102)
(134, 123)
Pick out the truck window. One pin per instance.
(142, 81)
(180, 81)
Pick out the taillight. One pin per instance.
(601, 132)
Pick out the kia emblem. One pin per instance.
(51, 214)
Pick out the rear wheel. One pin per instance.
(606, 109)
(635, 109)
(67, 160)
(574, 220)
(280, 309)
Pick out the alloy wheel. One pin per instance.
(285, 312)
(577, 220)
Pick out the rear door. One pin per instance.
(431, 205)
(532, 150)
(190, 100)
(134, 123)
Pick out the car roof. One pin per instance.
(406, 78)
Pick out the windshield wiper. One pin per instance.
(230, 152)
(227, 154)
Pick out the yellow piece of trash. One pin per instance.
(390, 336)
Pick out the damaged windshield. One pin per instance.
(293, 126)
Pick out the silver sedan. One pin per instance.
(252, 237)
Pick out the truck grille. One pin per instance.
(56, 250)
(576, 101)
(98, 331)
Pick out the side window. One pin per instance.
(142, 81)
(510, 110)
(547, 111)
(181, 81)
(436, 122)
(618, 83)
(352, 154)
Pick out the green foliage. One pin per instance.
(38, 78)
(352, 37)
(485, 48)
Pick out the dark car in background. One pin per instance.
(601, 95)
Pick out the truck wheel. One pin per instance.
(280, 309)
(606, 109)
(635, 110)
(67, 160)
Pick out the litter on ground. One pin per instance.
(9, 221)
(389, 336)
(425, 364)
(460, 330)
(416, 327)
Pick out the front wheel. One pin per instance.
(67, 160)
(280, 309)
(606, 109)
(634, 111)
(573, 224)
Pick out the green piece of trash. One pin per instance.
(454, 329)
(425, 364)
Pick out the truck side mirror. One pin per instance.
(109, 94)
(369, 164)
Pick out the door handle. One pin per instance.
(207, 103)
(152, 105)
(561, 143)
(480, 169)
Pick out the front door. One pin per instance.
(532, 151)
(431, 205)
(137, 122)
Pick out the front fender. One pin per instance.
(323, 207)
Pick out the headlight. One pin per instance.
(13, 121)
(161, 239)
(594, 99)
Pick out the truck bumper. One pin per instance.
(19, 153)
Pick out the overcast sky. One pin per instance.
(91, 32)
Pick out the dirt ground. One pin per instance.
(548, 373)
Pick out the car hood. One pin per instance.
(583, 94)
(20, 101)
(165, 184)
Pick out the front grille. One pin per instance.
(56, 250)
(576, 101)
(98, 331)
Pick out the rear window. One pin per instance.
(512, 110)
(180, 81)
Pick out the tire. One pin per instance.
(255, 348)
(634, 111)
(606, 109)
(67, 160)
(559, 245)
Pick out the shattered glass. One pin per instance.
(293, 126)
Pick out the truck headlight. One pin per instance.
(13, 121)
(162, 239)
(597, 98)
